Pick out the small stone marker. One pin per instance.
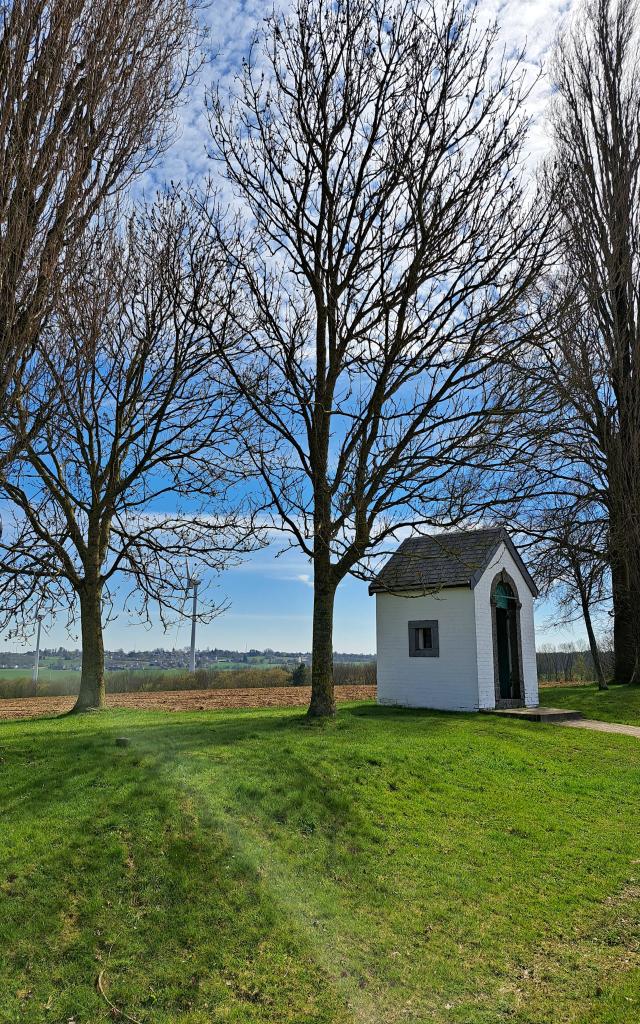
(123, 741)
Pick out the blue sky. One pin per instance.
(271, 601)
(271, 598)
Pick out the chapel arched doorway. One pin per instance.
(507, 645)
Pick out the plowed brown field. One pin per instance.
(186, 700)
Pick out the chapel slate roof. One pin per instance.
(445, 560)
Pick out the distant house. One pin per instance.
(455, 629)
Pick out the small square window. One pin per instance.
(424, 639)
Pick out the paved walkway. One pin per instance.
(564, 716)
(591, 723)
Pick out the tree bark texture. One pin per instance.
(624, 643)
(322, 698)
(92, 690)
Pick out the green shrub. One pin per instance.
(159, 680)
(10, 688)
(299, 676)
(354, 673)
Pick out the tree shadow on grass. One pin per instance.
(111, 854)
(186, 861)
(150, 858)
(64, 755)
(396, 711)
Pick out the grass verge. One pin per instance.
(617, 704)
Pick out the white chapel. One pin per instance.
(454, 623)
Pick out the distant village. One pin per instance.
(63, 659)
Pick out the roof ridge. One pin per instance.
(466, 533)
(415, 538)
(457, 558)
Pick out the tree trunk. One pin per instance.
(322, 703)
(634, 595)
(91, 695)
(593, 646)
(624, 647)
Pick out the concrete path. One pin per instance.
(563, 716)
(591, 723)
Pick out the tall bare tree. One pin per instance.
(142, 424)
(87, 96)
(595, 361)
(381, 271)
(569, 558)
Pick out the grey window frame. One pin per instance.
(431, 624)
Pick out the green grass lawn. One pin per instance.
(617, 704)
(395, 866)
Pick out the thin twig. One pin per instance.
(115, 1009)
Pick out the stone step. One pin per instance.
(538, 714)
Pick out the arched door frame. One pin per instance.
(504, 577)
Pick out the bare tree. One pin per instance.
(381, 272)
(570, 561)
(595, 361)
(87, 96)
(142, 423)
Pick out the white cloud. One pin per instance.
(529, 23)
(304, 577)
(231, 26)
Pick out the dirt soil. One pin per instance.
(186, 700)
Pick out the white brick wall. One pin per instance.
(461, 678)
(448, 682)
